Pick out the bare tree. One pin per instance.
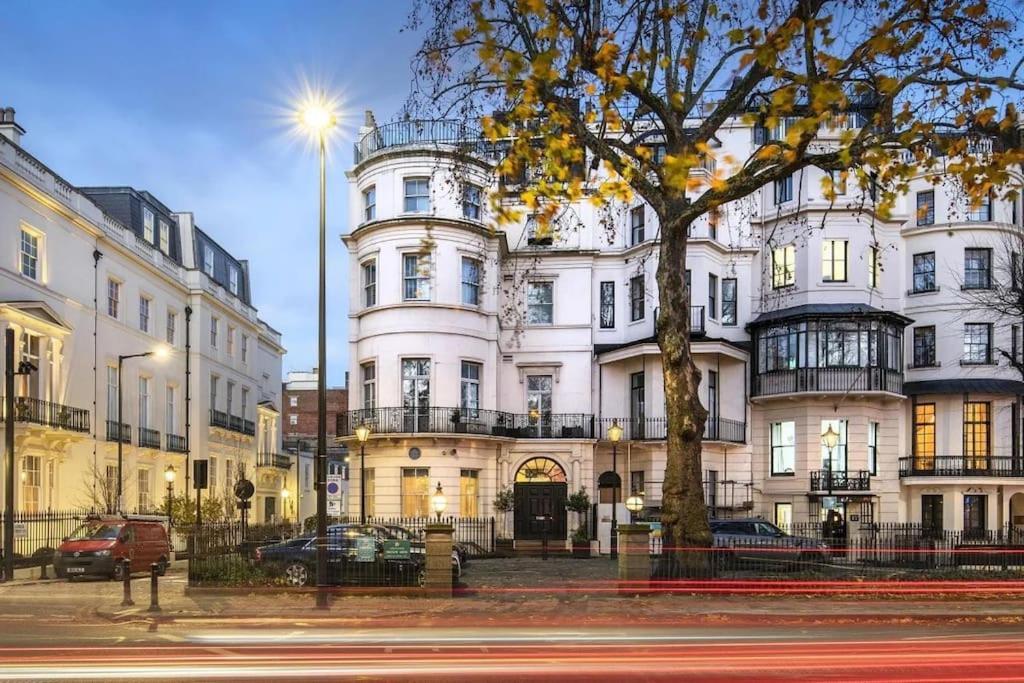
(638, 89)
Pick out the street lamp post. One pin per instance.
(362, 434)
(438, 501)
(830, 439)
(635, 503)
(160, 352)
(317, 119)
(10, 372)
(169, 475)
(615, 435)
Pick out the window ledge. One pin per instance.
(924, 367)
(918, 292)
(966, 288)
(783, 474)
(990, 364)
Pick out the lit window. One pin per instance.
(29, 254)
(977, 434)
(833, 260)
(783, 266)
(415, 492)
(469, 493)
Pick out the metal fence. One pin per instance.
(38, 534)
(893, 552)
(477, 534)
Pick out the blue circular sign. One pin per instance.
(333, 488)
(414, 453)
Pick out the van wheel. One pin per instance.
(296, 574)
(161, 569)
(118, 573)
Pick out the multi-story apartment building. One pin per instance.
(299, 422)
(97, 273)
(488, 358)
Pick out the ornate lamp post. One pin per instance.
(362, 434)
(615, 435)
(169, 476)
(830, 438)
(635, 503)
(438, 501)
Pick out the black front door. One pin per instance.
(534, 504)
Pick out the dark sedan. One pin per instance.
(347, 563)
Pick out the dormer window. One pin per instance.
(165, 237)
(208, 260)
(148, 223)
(233, 280)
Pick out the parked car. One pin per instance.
(295, 559)
(402, 533)
(99, 546)
(755, 539)
(385, 532)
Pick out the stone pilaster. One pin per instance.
(634, 557)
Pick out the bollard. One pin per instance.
(126, 574)
(154, 601)
(42, 570)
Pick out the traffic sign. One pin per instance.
(334, 508)
(333, 487)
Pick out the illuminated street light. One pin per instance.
(438, 501)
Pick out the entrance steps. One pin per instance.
(536, 548)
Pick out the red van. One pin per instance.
(99, 546)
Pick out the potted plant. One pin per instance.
(459, 425)
(504, 502)
(579, 503)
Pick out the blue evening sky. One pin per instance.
(187, 99)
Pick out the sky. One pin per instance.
(189, 100)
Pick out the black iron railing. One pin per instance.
(840, 480)
(961, 466)
(149, 438)
(176, 443)
(655, 429)
(827, 379)
(277, 460)
(47, 413)
(401, 133)
(232, 423)
(433, 420)
(126, 431)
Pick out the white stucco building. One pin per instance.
(91, 274)
(484, 360)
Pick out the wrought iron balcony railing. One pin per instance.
(149, 438)
(838, 379)
(840, 480)
(961, 466)
(176, 443)
(47, 413)
(433, 420)
(454, 132)
(656, 429)
(112, 431)
(232, 423)
(283, 462)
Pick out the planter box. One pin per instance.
(581, 549)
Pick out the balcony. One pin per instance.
(176, 443)
(839, 379)
(112, 430)
(149, 438)
(47, 414)
(431, 420)
(656, 429)
(697, 326)
(823, 481)
(452, 133)
(277, 460)
(961, 466)
(232, 423)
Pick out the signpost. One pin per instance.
(366, 549)
(395, 549)
(334, 495)
(20, 530)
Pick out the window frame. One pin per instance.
(171, 327)
(782, 449)
(637, 298)
(472, 286)
(548, 306)
(982, 213)
(472, 383)
(712, 296)
(472, 209)
(370, 204)
(874, 266)
(420, 477)
(366, 269)
(164, 229)
(209, 260)
(606, 323)
(417, 198)
(730, 306)
(637, 229)
(36, 258)
(830, 262)
(145, 312)
(924, 258)
(783, 190)
(114, 298)
(421, 283)
(982, 277)
(873, 434)
(214, 331)
(977, 434)
(148, 224)
(923, 351)
(971, 344)
(784, 274)
(233, 279)
(928, 216)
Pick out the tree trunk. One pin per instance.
(684, 514)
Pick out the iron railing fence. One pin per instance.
(149, 438)
(46, 413)
(437, 420)
(477, 534)
(38, 534)
(421, 132)
(112, 430)
(840, 480)
(826, 379)
(656, 429)
(277, 460)
(176, 443)
(232, 423)
(961, 466)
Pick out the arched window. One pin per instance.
(539, 471)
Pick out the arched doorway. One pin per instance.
(540, 492)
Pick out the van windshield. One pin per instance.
(102, 532)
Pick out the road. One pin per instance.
(61, 631)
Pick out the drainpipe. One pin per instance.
(96, 256)
(188, 401)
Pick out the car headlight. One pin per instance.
(102, 553)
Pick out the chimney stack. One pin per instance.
(8, 127)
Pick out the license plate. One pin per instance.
(76, 570)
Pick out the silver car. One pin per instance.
(757, 540)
